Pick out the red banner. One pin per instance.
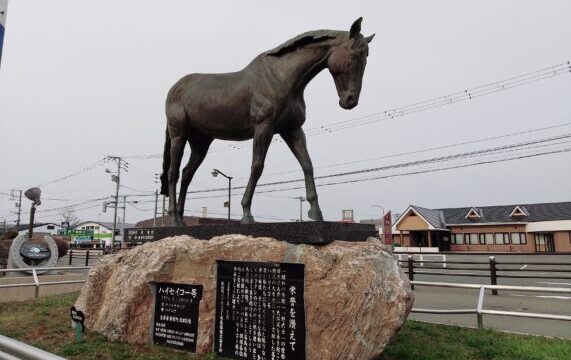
(387, 231)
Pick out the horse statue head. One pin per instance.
(347, 65)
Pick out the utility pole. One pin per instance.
(123, 243)
(19, 212)
(18, 205)
(156, 205)
(117, 184)
(117, 179)
(301, 200)
(163, 217)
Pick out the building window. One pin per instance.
(458, 239)
(482, 238)
(51, 227)
(501, 238)
(516, 240)
(486, 239)
(489, 238)
(471, 239)
(519, 239)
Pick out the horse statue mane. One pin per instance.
(305, 39)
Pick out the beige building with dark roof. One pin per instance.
(543, 227)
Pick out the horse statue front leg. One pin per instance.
(262, 139)
(295, 139)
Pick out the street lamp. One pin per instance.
(215, 173)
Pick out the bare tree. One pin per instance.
(68, 215)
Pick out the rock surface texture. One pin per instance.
(356, 296)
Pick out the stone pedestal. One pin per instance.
(356, 296)
(15, 260)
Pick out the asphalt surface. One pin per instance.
(530, 302)
(78, 259)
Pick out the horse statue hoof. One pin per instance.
(178, 222)
(249, 219)
(315, 214)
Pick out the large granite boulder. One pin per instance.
(356, 296)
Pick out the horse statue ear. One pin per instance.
(370, 38)
(355, 28)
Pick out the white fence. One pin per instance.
(419, 258)
(480, 311)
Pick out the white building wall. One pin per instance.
(51, 229)
(546, 226)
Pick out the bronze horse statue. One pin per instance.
(263, 99)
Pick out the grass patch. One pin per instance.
(422, 341)
(45, 324)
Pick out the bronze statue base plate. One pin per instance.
(310, 232)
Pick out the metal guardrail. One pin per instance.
(37, 282)
(489, 270)
(84, 254)
(488, 253)
(11, 349)
(480, 311)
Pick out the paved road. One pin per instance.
(552, 303)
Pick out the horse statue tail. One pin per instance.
(166, 165)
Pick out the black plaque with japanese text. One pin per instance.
(176, 315)
(139, 235)
(260, 311)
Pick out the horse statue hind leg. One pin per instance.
(177, 134)
(199, 145)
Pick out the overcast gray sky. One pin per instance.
(81, 80)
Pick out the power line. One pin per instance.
(433, 148)
(348, 181)
(405, 164)
(424, 105)
(520, 146)
(76, 173)
(427, 161)
(484, 162)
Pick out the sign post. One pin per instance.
(77, 319)
(387, 231)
